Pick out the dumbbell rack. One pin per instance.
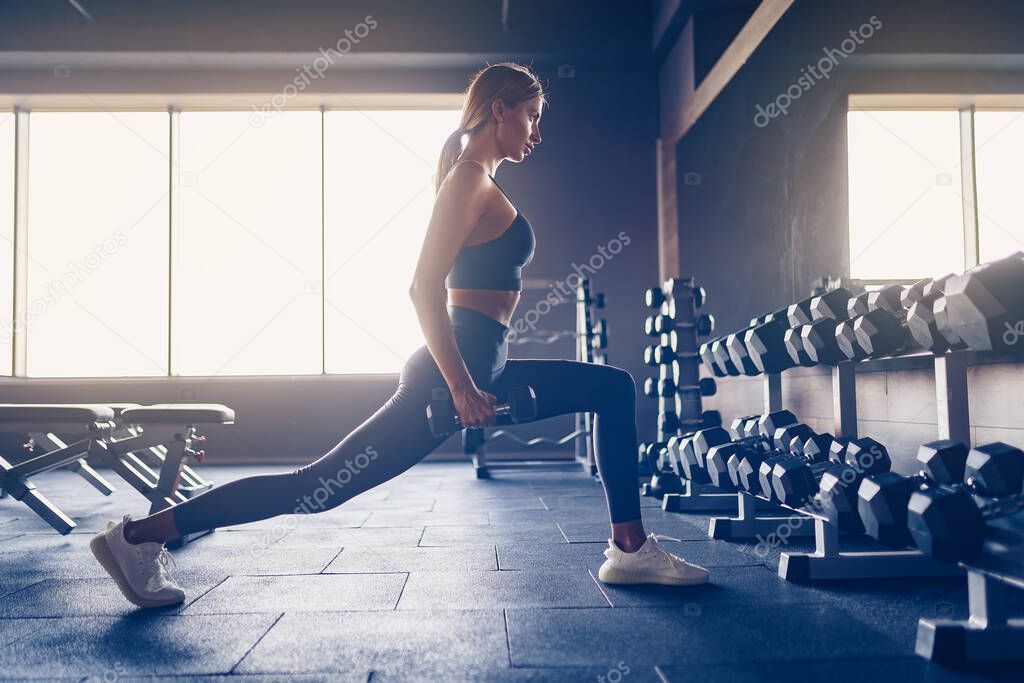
(988, 634)
(827, 561)
(474, 440)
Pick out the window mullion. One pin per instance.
(969, 193)
(19, 350)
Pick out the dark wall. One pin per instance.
(763, 209)
(591, 179)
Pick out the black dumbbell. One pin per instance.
(949, 523)
(708, 359)
(704, 324)
(985, 305)
(838, 486)
(794, 479)
(668, 387)
(923, 318)
(663, 480)
(520, 407)
(813, 341)
(882, 499)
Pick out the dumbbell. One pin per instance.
(795, 479)
(882, 499)
(747, 468)
(654, 325)
(948, 523)
(669, 421)
(599, 335)
(780, 452)
(922, 321)
(889, 328)
(722, 461)
(802, 317)
(668, 387)
(838, 485)
(520, 407)
(985, 305)
(663, 480)
(708, 359)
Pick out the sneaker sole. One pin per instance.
(105, 556)
(622, 578)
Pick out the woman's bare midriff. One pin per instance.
(498, 304)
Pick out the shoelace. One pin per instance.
(164, 559)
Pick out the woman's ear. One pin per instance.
(498, 109)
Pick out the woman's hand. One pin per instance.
(474, 407)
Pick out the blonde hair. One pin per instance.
(507, 81)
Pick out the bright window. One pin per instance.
(6, 242)
(97, 244)
(380, 169)
(999, 147)
(906, 212)
(247, 245)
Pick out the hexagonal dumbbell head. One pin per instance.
(688, 462)
(940, 311)
(831, 305)
(739, 355)
(819, 342)
(858, 305)
(914, 292)
(879, 333)
(799, 313)
(817, 448)
(986, 304)
(717, 465)
(739, 424)
(882, 503)
(747, 471)
(706, 439)
(766, 346)
(838, 489)
(923, 327)
(868, 456)
(996, 469)
(944, 461)
(784, 435)
(837, 450)
(672, 448)
(708, 359)
(793, 340)
(767, 424)
(793, 482)
(946, 524)
(847, 342)
(721, 354)
(887, 298)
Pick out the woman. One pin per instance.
(472, 256)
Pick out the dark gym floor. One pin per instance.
(439, 576)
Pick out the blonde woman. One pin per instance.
(465, 289)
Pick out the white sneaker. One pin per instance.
(140, 570)
(650, 564)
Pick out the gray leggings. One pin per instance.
(397, 436)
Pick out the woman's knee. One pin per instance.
(618, 386)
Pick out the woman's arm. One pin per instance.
(459, 205)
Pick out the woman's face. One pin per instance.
(520, 129)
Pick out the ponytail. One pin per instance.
(449, 155)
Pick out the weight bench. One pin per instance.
(135, 439)
(88, 421)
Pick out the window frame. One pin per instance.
(967, 106)
(113, 104)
